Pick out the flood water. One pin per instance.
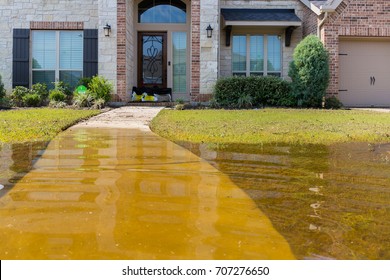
(328, 202)
(125, 194)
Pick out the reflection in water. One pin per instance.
(16, 160)
(127, 194)
(328, 202)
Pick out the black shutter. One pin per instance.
(21, 58)
(90, 66)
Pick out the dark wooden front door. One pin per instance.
(152, 59)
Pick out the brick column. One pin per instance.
(195, 50)
(121, 51)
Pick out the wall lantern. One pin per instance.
(209, 30)
(107, 30)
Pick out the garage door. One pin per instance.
(364, 73)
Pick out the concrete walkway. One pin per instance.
(124, 117)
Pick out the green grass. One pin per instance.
(38, 124)
(289, 126)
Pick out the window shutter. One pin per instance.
(21, 58)
(90, 67)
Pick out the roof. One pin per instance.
(259, 15)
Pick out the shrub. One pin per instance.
(333, 103)
(246, 92)
(98, 104)
(309, 72)
(2, 89)
(84, 82)
(41, 91)
(65, 89)
(100, 88)
(83, 100)
(31, 100)
(57, 95)
(17, 95)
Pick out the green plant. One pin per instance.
(333, 103)
(100, 88)
(17, 95)
(179, 100)
(244, 101)
(246, 92)
(309, 72)
(41, 91)
(31, 100)
(84, 81)
(57, 95)
(98, 104)
(82, 100)
(2, 89)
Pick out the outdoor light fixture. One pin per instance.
(209, 30)
(107, 30)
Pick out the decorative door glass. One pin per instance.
(153, 68)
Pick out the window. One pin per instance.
(179, 61)
(162, 11)
(57, 56)
(256, 55)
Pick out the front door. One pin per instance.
(152, 59)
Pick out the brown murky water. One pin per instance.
(126, 194)
(328, 202)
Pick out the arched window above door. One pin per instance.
(162, 11)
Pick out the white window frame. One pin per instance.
(265, 60)
(57, 68)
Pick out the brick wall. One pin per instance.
(121, 77)
(195, 50)
(353, 18)
(310, 21)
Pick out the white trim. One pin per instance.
(262, 23)
(323, 8)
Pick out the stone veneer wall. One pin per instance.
(20, 14)
(287, 52)
(108, 45)
(353, 18)
(209, 47)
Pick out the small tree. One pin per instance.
(309, 72)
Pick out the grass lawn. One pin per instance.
(28, 125)
(290, 126)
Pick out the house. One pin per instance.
(187, 45)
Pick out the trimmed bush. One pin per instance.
(57, 95)
(247, 92)
(309, 72)
(41, 91)
(17, 95)
(100, 88)
(31, 100)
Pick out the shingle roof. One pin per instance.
(259, 15)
